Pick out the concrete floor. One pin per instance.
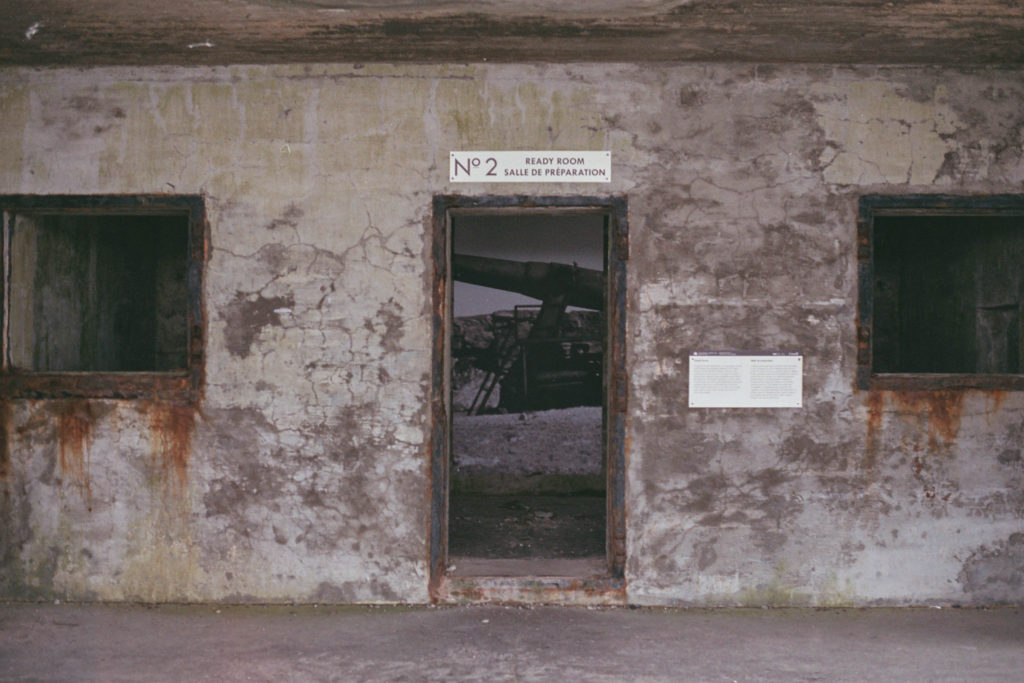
(207, 643)
(507, 526)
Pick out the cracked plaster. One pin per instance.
(306, 473)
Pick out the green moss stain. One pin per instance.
(778, 592)
(835, 593)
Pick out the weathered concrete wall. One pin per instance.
(303, 473)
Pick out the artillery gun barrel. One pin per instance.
(582, 287)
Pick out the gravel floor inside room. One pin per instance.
(528, 485)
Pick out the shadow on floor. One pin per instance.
(527, 526)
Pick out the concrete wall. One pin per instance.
(303, 473)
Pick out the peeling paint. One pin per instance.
(246, 315)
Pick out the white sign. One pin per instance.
(530, 167)
(738, 379)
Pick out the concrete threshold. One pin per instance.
(532, 581)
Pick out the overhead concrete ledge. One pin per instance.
(144, 32)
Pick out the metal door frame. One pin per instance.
(614, 208)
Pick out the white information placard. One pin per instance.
(741, 379)
(530, 167)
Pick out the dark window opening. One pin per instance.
(942, 292)
(101, 296)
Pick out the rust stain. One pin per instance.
(941, 410)
(171, 427)
(5, 446)
(918, 465)
(876, 407)
(938, 414)
(470, 593)
(997, 398)
(74, 433)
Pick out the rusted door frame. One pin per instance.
(614, 208)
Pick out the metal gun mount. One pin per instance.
(542, 368)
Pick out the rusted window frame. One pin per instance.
(615, 209)
(178, 385)
(873, 206)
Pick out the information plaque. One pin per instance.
(530, 167)
(742, 379)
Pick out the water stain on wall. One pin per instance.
(995, 573)
(289, 219)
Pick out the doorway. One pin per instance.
(529, 409)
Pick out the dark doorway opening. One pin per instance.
(527, 341)
(531, 460)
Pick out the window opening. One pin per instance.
(98, 295)
(943, 303)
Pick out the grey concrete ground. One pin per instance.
(207, 643)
